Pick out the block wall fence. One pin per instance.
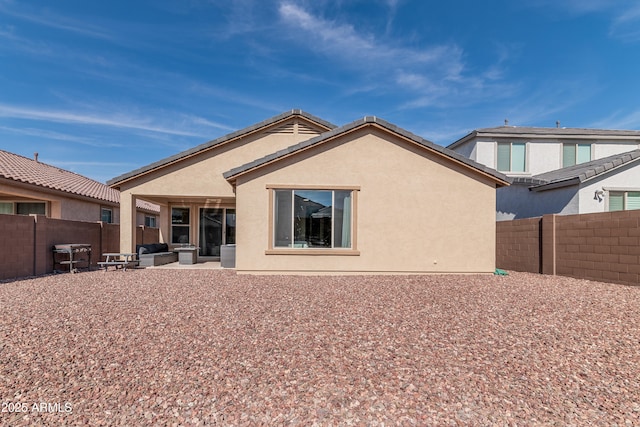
(26, 242)
(600, 246)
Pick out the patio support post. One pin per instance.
(164, 223)
(127, 222)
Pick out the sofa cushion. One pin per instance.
(152, 248)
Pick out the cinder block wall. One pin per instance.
(518, 245)
(59, 231)
(26, 242)
(16, 246)
(146, 235)
(110, 238)
(600, 246)
(150, 235)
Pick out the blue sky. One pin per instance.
(105, 87)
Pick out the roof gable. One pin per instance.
(498, 177)
(269, 125)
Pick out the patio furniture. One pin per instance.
(228, 256)
(72, 254)
(154, 254)
(188, 255)
(116, 259)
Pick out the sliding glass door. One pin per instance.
(217, 227)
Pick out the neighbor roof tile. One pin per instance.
(29, 171)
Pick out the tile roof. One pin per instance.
(29, 171)
(579, 173)
(23, 169)
(519, 130)
(366, 121)
(144, 205)
(543, 132)
(221, 140)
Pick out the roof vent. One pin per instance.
(506, 122)
(558, 124)
(35, 156)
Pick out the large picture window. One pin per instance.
(180, 225)
(312, 219)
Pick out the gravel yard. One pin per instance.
(208, 347)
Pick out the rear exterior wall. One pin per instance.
(415, 213)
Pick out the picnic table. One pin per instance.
(118, 259)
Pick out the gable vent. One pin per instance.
(306, 130)
(286, 128)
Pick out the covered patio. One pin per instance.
(197, 204)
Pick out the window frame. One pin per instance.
(172, 225)
(147, 220)
(104, 209)
(511, 143)
(625, 196)
(14, 206)
(276, 250)
(576, 146)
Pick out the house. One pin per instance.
(558, 170)
(28, 186)
(298, 195)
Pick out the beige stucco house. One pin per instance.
(29, 186)
(297, 194)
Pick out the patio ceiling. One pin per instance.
(203, 200)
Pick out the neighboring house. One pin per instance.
(558, 170)
(28, 186)
(297, 194)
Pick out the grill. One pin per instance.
(71, 254)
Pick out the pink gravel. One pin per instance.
(197, 347)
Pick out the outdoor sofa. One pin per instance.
(154, 254)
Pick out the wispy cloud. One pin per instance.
(428, 74)
(232, 97)
(624, 15)
(113, 120)
(619, 120)
(344, 41)
(49, 19)
(626, 24)
(67, 163)
(48, 134)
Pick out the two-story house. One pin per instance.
(558, 170)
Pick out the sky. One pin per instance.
(105, 87)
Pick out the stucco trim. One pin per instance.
(632, 189)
